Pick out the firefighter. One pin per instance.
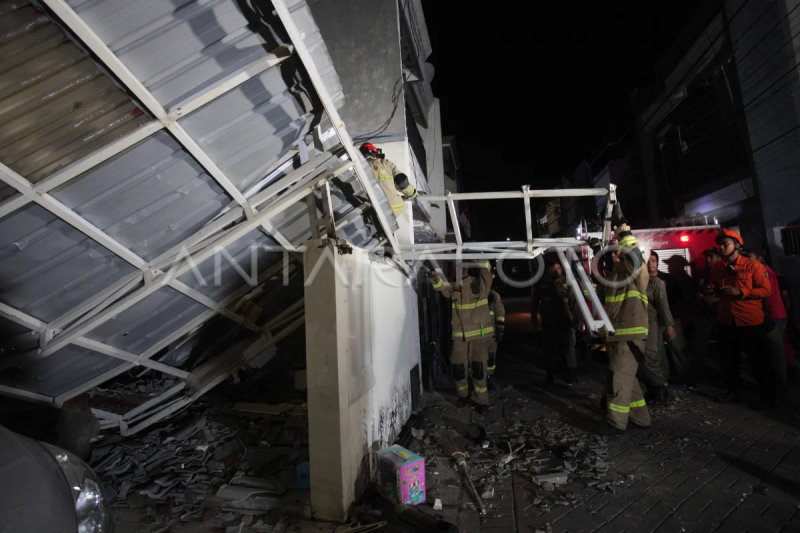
(472, 326)
(498, 311)
(554, 301)
(655, 370)
(394, 183)
(626, 306)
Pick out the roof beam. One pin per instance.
(114, 372)
(37, 325)
(11, 204)
(81, 224)
(21, 394)
(69, 216)
(172, 337)
(327, 101)
(130, 357)
(262, 64)
(91, 40)
(97, 157)
(163, 278)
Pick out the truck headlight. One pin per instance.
(87, 492)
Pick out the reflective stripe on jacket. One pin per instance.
(470, 311)
(385, 171)
(627, 306)
(497, 309)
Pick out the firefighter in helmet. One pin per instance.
(394, 183)
(624, 289)
(472, 326)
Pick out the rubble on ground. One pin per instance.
(211, 463)
(549, 452)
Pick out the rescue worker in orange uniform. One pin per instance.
(472, 326)
(627, 309)
(394, 183)
(741, 284)
(498, 311)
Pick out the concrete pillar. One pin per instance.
(327, 298)
(362, 344)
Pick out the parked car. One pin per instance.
(47, 489)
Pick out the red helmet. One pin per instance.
(723, 233)
(369, 149)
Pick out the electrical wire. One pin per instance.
(395, 93)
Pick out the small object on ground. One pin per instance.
(453, 445)
(476, 434)
(558, 478)
(418, 433)
(401, 475)
(437, 504)
(488, 493)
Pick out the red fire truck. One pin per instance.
(687, 243)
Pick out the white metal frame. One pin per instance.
(528, 249)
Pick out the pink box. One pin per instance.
(401, 475)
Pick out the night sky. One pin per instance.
(530, 94)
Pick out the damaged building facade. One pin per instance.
(181, 192)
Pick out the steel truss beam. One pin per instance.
(40, 327)
(162, 279)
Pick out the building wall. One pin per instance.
(766, 62)
(363, 38)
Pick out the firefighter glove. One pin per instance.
(499, 334)
(617, 218)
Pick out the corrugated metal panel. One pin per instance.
(56, 106)
(248, 254)
(247, 130)
(177, 48)
(149, 198)
(64, 370)
(143, 325)
(154, 195)
(47, 267)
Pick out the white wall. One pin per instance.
(432, 138)
(362, 342)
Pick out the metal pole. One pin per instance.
(597, 305)
(528, 222)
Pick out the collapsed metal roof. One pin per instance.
(135, 133)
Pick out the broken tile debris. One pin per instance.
(228, 466)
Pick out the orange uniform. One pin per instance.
(751, 278)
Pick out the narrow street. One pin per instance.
(703, 467)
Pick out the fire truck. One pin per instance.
(685, 243)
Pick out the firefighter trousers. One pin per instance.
(470, 359)
(560, 347)
(652, 371)
(625, 400)
(491, 343)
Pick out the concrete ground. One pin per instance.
(703, 467)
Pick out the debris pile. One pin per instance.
(556, 457)
(207, 463)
